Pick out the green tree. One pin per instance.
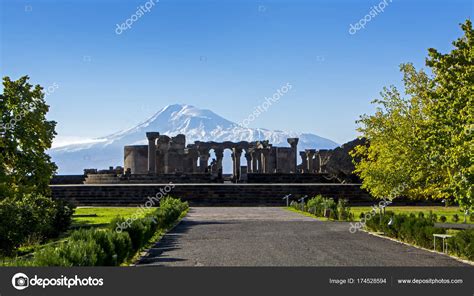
(25, 135)
(421, 144)
(450, 120)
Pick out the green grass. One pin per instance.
(308, 214)
(448, 212)
(102, 216)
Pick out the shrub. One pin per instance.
(172, 209)
(62, 219)
(83, 253)
(443, 219)
(330, 204)
(409, 228)
(123, 246)
(315, 205)
(379, 223)
(455, 218)
(137, 234)
(116, 246)
(12, 230)
(432, 217)
(102, 238)
(462, 244)
(50, 256)
(343, 210)
(297, 205)
(471, 217)
(78, 253)
(32, 216)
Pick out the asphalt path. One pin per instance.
(266, 236)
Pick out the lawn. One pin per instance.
(448, 212)
(102, 216)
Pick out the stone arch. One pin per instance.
(218, 149)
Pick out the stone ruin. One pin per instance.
(170, 155)
(336, 163)
(169, 159)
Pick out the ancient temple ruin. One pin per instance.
(170, 159)
(170, 155)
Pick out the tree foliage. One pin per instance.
(25, 135)
(421, 143)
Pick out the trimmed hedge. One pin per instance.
(114, 245)
(419, 231)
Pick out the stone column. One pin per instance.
(253, 154)
(236, 154)
(294, 151)
(158, 162)
(304, 162)
(322, 156)
(164, 145)
(219, 156)
(203, 159)
(310, 154)
(265, 161)
(192, 156)
(248, 157)
(152, 136)
(317, 162)
(195, 156)
(259, 161)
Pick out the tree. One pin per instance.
(450, 119)
(25, 135)
(421, 145)
(27, 213)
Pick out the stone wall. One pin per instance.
(206, 194)
(290, 178)
(147, 179)
(68, 179)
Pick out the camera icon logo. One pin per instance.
(20, 281)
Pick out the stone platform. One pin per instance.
(206, 194)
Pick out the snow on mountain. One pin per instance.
(197, 124)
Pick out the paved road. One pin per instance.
(241, 236)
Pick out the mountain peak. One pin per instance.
(176, 107)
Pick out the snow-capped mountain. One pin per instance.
(197, 124)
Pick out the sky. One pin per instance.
(226, 56)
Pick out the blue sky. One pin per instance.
(225, 55)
